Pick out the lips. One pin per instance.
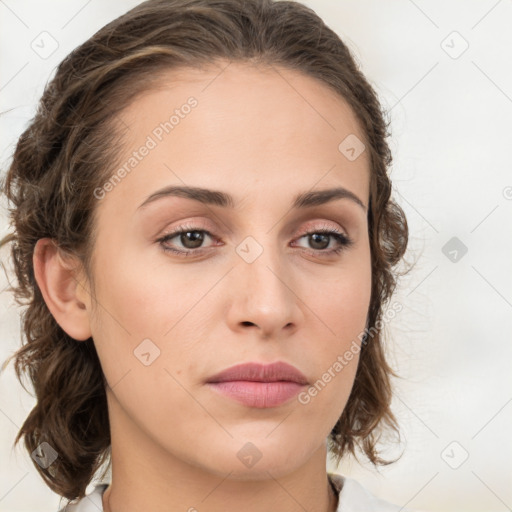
(259, 386)
(256, 372)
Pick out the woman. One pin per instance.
(204, 232)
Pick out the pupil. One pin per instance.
(315, 237)
(196, 239)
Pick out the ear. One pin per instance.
(65, 296)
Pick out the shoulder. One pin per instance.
(353, 497)
(91, 502)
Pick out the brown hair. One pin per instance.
(69, 149)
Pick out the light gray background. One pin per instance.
(451, 117)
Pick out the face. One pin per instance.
(253, 278)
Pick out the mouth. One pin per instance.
(258, 385)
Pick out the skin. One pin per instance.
(262, 134)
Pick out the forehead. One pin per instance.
(229, 90)
(253, 128)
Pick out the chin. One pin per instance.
(255, 460)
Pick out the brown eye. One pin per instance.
(320, 239)
(195, 238)
(189, 238)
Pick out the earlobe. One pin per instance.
(61, 290)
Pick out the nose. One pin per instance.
(263, 296)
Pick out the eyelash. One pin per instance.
(343, 240)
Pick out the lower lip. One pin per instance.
(258, 394)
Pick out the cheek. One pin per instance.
(139, 314)
(345, 299)
(342, 306)
(146, 297)
(140, 301)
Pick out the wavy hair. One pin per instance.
(67, 151)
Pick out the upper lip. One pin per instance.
(257, 372)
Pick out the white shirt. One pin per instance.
(353, 497)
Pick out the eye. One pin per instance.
(320, 239)
(192, 238)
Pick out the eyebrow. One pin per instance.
(225, 200)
